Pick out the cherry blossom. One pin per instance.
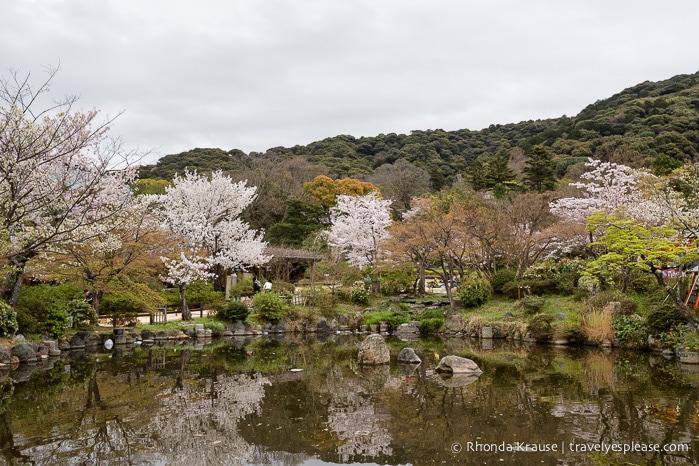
(358, 226)
(607, 187)
(60, 175)
(205, 213)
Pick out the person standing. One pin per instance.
(256, 285)
(88, 296)
(268, 286)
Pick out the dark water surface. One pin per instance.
(300, 401)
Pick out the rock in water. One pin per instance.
(458, 365)
(408, 355)
(373, 351)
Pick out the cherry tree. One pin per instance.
(61, 176)
(205, 212)
(125, 244)
(358, 226)
(678, 195)
(184, 271)
(607, 187)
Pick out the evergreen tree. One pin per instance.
(477, 175)
(300, 221)
(498, 171)
(539, 172)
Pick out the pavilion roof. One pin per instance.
(290, 253)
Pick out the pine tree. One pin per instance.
(539, 170)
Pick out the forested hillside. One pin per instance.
(654, 124)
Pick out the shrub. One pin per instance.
(343, 294)
(540, 327)
(664, 319)
(430, 321)
(8, 320)
(123, 299)
(429, 326)
(570, 330)
(42, 308)
(325, 302)
(243, 287)
(217, 328)
(396, 280)
(123, 295)
(500, 278)
(473, 292)
(630, 331)
(359, 296)
(268, 307)
(644, 283)
(235, 311)
(82, 313)
(55, 322)
(281, 287)
(548, 277)
(201, 291)
(532, 304)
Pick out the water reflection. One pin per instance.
(239, 402)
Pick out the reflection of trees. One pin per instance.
(176, 406)
(353, 416)
(197, 424)
(7, 442)
(124, 413)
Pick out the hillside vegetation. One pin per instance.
(653, 124)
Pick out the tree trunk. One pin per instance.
(676, 299)
(186, 313)
(421, 279)
(96, 299)
(220, 280)
(13, 279)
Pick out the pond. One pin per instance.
(305, 401)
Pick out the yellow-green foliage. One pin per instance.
(125, 295)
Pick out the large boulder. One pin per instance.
(5, 355)
(238, 328)
(373, 351)
(454, 324)
(323, 326)
(458, 365)
(407, 355)
(408, 328)
(25, 353)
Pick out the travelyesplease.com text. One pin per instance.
(563, 447)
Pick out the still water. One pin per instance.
(298, 401)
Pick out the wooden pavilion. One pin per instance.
(289, 264)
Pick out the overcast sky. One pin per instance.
(255, 74)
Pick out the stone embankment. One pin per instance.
(25, 352)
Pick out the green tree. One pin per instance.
(300, 221)
(149, 186)
(539, 171)
(627, 246)
(498, 171)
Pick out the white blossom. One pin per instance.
(205, 212)
(608, 187)
(358, 226)
(184, 271)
